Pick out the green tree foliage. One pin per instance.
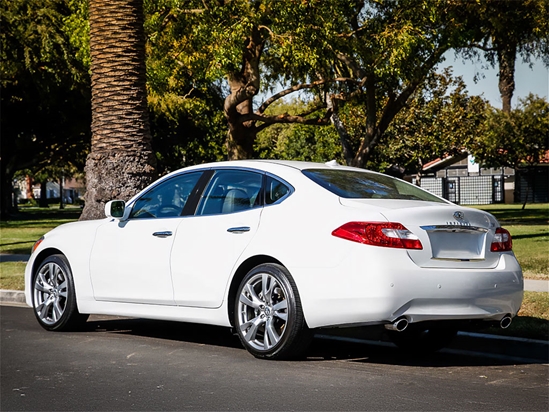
(516, 139)
(45, 88)
(186, 105)
(441, 119)
(297, 141)
(238, 45)
(377, 51)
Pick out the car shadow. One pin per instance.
(323, 348)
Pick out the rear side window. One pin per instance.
(353, 184)
(275, 190)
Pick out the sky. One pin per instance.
(527, 80)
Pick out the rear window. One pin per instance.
(353, 184)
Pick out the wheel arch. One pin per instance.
(44, 254)
(242, 270)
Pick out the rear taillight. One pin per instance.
(502, 241)
(386, 234)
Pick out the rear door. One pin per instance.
(208, 244)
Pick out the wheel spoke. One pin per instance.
(255, 301)
(271, 336)
(281, 306)
(42, 281)
(265, 288)
(51, 273)
(62, 289)
(42, 287)
(57, 310)
(45, 309)
(253, 326)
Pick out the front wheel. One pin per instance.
(53, 296)
(269, 319)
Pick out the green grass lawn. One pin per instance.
(19, 234)
(530, 231)
(12, 275)
(532, 321)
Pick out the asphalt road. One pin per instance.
(128, 364)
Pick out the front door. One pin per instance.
(130, 260)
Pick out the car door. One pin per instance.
(130, 260)
(208, 244)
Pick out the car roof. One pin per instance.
(269, 164)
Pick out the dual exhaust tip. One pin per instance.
(398, 325)
(401, 324)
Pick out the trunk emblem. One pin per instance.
(459, 215)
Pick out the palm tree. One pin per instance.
(121, 161)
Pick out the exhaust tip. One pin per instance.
(505, 322)
(399, 325)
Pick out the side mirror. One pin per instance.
(116, 209)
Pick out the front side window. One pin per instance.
(231, 191)
(352, 184)
(166, 199)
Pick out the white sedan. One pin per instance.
(276, 249)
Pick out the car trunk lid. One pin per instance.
(452, 236)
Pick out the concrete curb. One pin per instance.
(15, 296)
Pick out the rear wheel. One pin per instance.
(53, 296)
(421, 340)
(268, 315)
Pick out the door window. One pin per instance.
(166, 199)
(231, 191)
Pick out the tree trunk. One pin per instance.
(121, 161)
(6, 191)
(61, 189)
(506, 59)
(241, 135)
(43, 202)
(244, 86)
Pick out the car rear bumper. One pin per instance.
(357, 293)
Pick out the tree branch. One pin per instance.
(298, 87)
(283, 119)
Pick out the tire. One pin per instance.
(421, 340)
(268, 316)
(53, 295)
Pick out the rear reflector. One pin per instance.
(385, 234)
(502, 241)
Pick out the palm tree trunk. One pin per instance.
(121, 161)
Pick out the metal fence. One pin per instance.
(466, 190)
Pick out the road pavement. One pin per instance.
(130, 364)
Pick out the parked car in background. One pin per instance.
(277, 250)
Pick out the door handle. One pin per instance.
(162, 234)
(240, 229)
